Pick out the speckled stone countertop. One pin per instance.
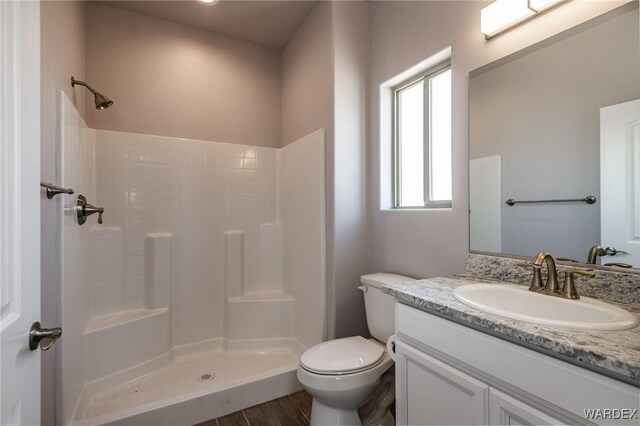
(613, 353)
(613, 285)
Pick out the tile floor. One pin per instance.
(290, 410)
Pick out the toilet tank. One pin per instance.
(380, 307)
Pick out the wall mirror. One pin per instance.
(560, 121)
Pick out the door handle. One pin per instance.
(43, 337)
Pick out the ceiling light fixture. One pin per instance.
(542, 5)
(209, 1)
(502, 15)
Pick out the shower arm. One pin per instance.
(81, 83)
(101, 101)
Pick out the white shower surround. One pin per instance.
(205, 246)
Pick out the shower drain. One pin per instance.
(206, 377)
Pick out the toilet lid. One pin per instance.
(346, 355)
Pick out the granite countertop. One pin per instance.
(613, 353)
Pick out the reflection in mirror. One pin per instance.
(559, 121)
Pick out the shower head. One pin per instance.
(101, 101)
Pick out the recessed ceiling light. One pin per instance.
(209, 1)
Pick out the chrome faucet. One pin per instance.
(551, 287)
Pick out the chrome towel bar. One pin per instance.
(53, 190)
(589, 199)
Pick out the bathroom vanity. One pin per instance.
(460, 365)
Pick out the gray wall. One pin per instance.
(351, 245)
(429, 243)
(172, 80)
(540, 112)
(324, 74)
(307, 78)
(62, 34)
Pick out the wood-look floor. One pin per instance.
(290, 410)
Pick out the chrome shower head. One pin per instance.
(101, 101)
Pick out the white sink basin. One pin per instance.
(517, 302)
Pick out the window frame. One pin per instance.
(424, 77)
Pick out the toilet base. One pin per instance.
(324, 415)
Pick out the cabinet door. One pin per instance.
(430, 392)
(506, 410)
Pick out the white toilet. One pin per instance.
(342, 375)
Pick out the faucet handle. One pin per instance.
(618, 264)
(569, 289)
(85, 209)
(536, 281)
(528, 264)
(89, 210)
(567, 259)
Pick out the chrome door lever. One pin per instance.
(44, 338)
(85, 209)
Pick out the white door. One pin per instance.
(19, 210)
(620, 180)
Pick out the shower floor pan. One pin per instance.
(195, 387)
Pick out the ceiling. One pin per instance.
(267, 23)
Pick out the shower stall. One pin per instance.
(203, 285)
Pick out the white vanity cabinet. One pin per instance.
(507, 410)
(435, 393)
(447, 373)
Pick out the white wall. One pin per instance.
(540, 113)
(428, 243)
(77, 152)
(301, 211)
(195, 190)
(62, 43)
(173, 80)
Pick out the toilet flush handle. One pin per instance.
(363, 288)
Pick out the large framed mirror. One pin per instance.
(555, 146)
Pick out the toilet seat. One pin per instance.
(342, 356)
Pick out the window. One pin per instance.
(422, 140)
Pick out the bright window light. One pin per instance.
(411, 145)
(440, 146)
(503, 14)
(422, 141)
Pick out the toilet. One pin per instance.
(342, 375)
